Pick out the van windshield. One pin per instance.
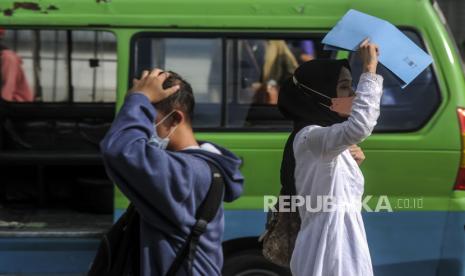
(236, 80)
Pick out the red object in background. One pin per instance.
(15, 87)
(460, 180)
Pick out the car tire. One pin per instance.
(251, 263)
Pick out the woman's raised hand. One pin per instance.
(369, 53)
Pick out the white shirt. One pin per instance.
(334, 243)
(206, 146)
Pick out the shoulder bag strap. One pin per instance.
(206, 212)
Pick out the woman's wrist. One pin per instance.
(372, 76)
(369, 69)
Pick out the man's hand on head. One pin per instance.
(151, 85)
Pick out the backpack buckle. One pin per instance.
(199, 227)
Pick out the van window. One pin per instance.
(250, 70)
(198, 60)
(404, 109)
(257, 69)
(58, 66)
(59, 88)
(93, 59)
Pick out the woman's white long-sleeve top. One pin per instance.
(332, 239)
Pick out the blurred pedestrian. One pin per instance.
(13, 80)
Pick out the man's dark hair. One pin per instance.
(183, 99)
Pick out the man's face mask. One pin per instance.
(342, 105)
(161, 143)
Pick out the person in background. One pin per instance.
(279, 65)
(308, 51)
(303, 50)
(151, 154)
(13, 80)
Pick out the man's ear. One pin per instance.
(178, 117)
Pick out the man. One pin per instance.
(163, 171)
(13, 80)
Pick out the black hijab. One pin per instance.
(305, 108)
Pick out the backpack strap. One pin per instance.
(204, 214)
(1, 69)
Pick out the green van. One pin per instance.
(79, 57)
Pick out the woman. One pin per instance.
(318, 161)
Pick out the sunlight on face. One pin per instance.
(344, 84)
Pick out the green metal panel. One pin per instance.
(416, 164)
(399, 165)
(201, 14)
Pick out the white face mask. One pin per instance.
(161, 143)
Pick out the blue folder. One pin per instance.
(397, 52)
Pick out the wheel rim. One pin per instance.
(257, 272)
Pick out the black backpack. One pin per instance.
(118, 252)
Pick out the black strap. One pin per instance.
(288, 168)
(1, 71)
(205, 214)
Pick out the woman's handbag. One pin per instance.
(280, 235)
(281, 228)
